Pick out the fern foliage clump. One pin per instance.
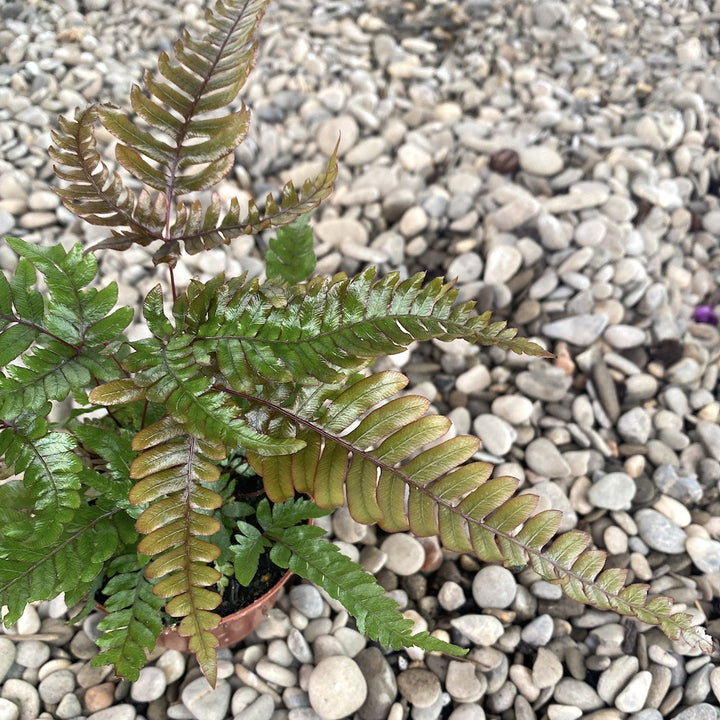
(135, 494)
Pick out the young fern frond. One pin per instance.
(96, 194)
(377, 459)
(182, 141)
(183, 97)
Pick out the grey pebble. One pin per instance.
(613, 491)
(613, 679)
(149, 686)
(547, 670)
(381, 683)
(659, 532)
(702, 711)
(501, 263)
(451, 596)
(9, 710)
(538, 632)
(405, 554)
(463, 683)
(577, 693)
(307, 600)
(204, 702)
(697, 687)
(299, 647)
(336, 687)
(581, 330)
(262, 708)
(678, 483)
(494, 587)
(7, 656)
(709, 434)
(502, 699)
(419, 687)
(543, 457)
(480, 629)
(124, 711)
(705, 553)
(274, 673)
(549, 384)
(633, 696)
(467, 711)
(634, 426)
(55, 686)
(24, 695)
(514, 409)
(68, 707)
(496, 435)
(172, 663)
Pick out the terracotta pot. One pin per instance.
(232, 628)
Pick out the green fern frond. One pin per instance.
(62, 339)
(326, 329)
(177, 375)
(36, 566)
(50, 468)
(377, 459)
(133, 622)
(290, 256)
(304, 550)
(169, 472)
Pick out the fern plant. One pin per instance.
(139, 503)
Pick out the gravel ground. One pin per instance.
(560, 159)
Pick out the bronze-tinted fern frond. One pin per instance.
(182, 141)
(378, 460)
(170, 469)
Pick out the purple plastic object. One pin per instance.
(705, 314)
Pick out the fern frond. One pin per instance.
(35, 566)
(133, 622)
(177, 145)
(95, 194)
(177, 374)
(61, 340)
(169, 472)
(377, 459)
(326, 329)
(290, 256)
(50, 468)
(304, 550)
(200, 77)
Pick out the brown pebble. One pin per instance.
(504, 161)
(433, 554)
(563, 359)
(99, 697)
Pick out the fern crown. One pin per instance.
(141, 502)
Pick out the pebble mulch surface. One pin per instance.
(561, 160)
